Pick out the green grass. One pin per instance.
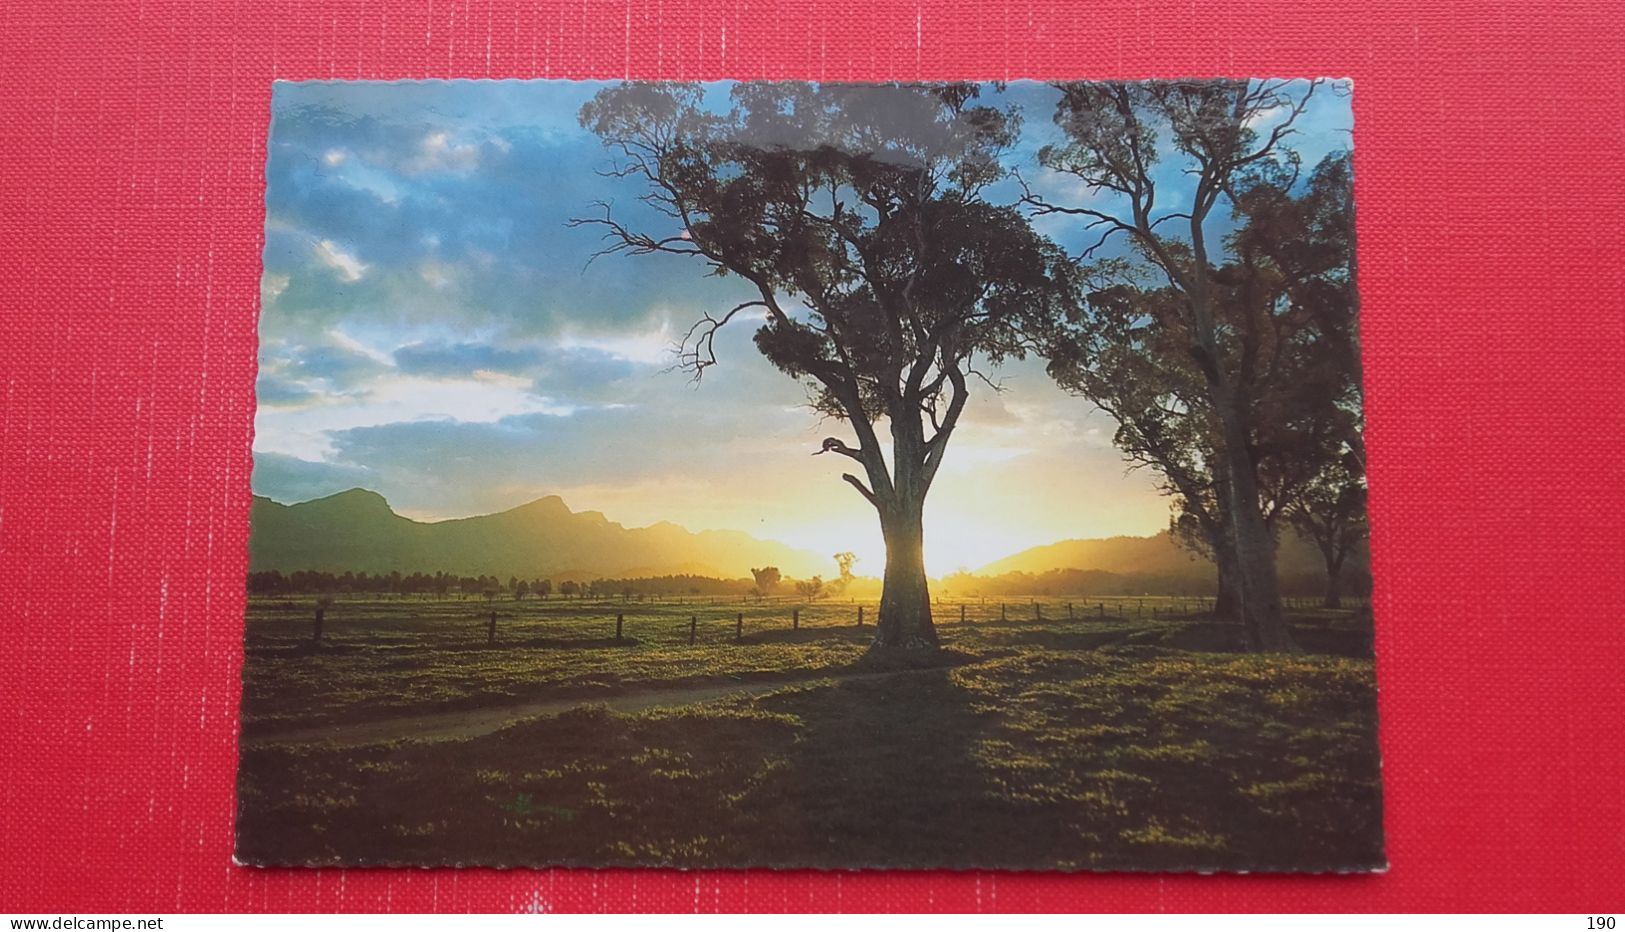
(1116, 743)
(389, 657)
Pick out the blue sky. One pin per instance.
(430, 328)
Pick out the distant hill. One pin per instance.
(1158, 555)
(357, 531)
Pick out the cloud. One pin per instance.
(325, 360)
(592, 374)
(1259, 120)
(312, 430)
(349, 267)
(461, 221)
(652, 346)
(279, 392)
(271, 286)
(464, 359)
(437, 274)
(455, 467)
(568, 375)
(290, 479)
(439, 152)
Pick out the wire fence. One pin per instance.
(690, 618)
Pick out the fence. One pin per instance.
(768, 617)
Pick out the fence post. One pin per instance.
(860, 616)
(962, 613)
(619, 618)
(693, 625)
(1069, 611)
(1002, 615)
(1102, 607)
(321, 612)
(795, 620)
(491, 630)
(1038, 612)
(739, 626)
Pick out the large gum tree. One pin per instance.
(857, 218)
(1234, 314)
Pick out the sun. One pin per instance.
(954, 541)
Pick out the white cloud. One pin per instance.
(350, 343)
(439, 152)
(306, 431)
(651, 347)
(360, 175)
(436, 274)
(1269, 115)
(504, 380)
(349, 267)
(334, 157)
(271, 286)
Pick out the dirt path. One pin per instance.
(468, 723)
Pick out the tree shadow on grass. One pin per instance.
(1125, 758)
(584, 788)
(1315, 636)
(1060, 640)
(1029, 623)
(870, 772)
(884, 773)
(809, 635)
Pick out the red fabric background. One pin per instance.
(132, 145)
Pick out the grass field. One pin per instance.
(1132, 735)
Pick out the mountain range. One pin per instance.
(358, 531)
(1156, 556)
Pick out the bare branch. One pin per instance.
(834, 445)
(696, 351)
(863, 490)
(622, 239)
(939, 441)
(976, 373)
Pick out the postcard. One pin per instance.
(797, 475)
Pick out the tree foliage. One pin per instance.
(855, 214)
(767, 577)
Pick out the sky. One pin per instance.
(431, 329)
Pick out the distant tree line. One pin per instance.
(1057, 582)
(672, 586)
(1068, 582)
(275, 582)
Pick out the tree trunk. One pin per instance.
(905, 599)
(1259, 588)
(1334, 584)
(1227, 604)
